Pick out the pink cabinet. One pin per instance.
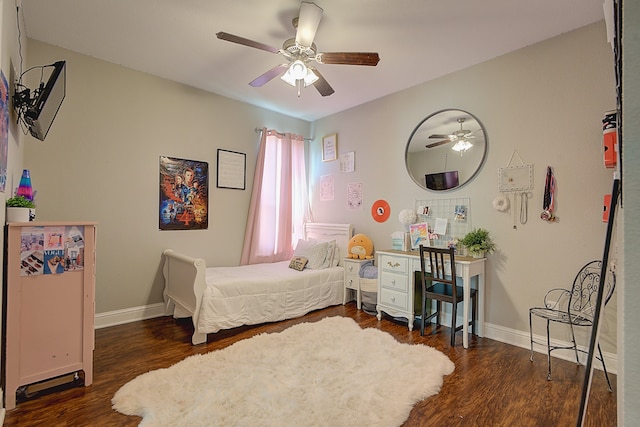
(50, 295)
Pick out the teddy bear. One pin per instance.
(360, 247)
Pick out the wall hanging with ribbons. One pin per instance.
(548, 201)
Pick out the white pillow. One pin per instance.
(331, 250)
(336, 257)
(315, 252)
(303, 246)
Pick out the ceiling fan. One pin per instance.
(458, 135)
(300, 52)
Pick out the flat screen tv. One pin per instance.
(442, 180)
(41, 113)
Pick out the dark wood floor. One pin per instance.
(494, 384)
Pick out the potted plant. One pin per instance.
(20, 209)
(478, 242)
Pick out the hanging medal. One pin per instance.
(549, 197)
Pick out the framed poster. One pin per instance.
(231, 170)
(330, 148)
(184, 194)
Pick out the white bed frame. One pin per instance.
(184, 276)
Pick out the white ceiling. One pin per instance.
(418, 40)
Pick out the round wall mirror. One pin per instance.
(446, 150)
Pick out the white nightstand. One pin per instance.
(352, 280)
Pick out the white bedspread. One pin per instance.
(259, 293)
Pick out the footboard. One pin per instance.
(184, 285)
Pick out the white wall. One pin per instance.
(100, 163)
(546, 101)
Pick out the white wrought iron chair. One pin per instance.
(574, 307)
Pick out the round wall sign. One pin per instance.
(380, 210)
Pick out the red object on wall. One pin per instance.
(610, 149)
(607, 206)
(609, 140)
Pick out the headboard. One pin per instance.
(324, 232)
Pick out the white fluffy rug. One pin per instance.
(328, 373)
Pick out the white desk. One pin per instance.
(396, 286)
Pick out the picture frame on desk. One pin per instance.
(419, 234)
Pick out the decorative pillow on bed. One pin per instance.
(315, 252)
(336, 257)
(298, 263)
(331, 250)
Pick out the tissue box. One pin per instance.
(396, 244)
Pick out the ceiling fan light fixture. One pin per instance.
(291, 78)
(298, 70)
(461, 146)
(310, 78)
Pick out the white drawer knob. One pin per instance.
(393, 299)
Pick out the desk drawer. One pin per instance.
(393, 263)
(393, 299)
(397, 282)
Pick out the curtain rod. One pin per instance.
(259, 130)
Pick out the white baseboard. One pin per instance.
(494, 332)
(128, 315)
(522, 339)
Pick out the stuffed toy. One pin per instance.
(360, 247)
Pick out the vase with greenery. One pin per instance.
(478, 242)
(20, 209)
(20, 202)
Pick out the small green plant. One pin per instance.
(20, 202)
(478, 241)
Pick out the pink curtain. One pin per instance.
(279, 199)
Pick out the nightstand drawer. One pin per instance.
(393, 299)
(395, 264)
(394, 281)
(351, 281)
(352, 267)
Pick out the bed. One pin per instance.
(218, 298)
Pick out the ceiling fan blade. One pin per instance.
(269, 75)
(436, 144)
(241, 40)
(322, 85)
(349, 58)
(438, 136)
(308, 21)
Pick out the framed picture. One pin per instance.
(184, 194)
(231, 170)
(419, 234)
(330, 148)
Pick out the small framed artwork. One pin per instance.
(231, 170)
(330, 148)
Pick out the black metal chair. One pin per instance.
(440, 285)
(574, 307)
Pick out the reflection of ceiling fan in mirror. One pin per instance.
(300, 52)
(460, 136)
